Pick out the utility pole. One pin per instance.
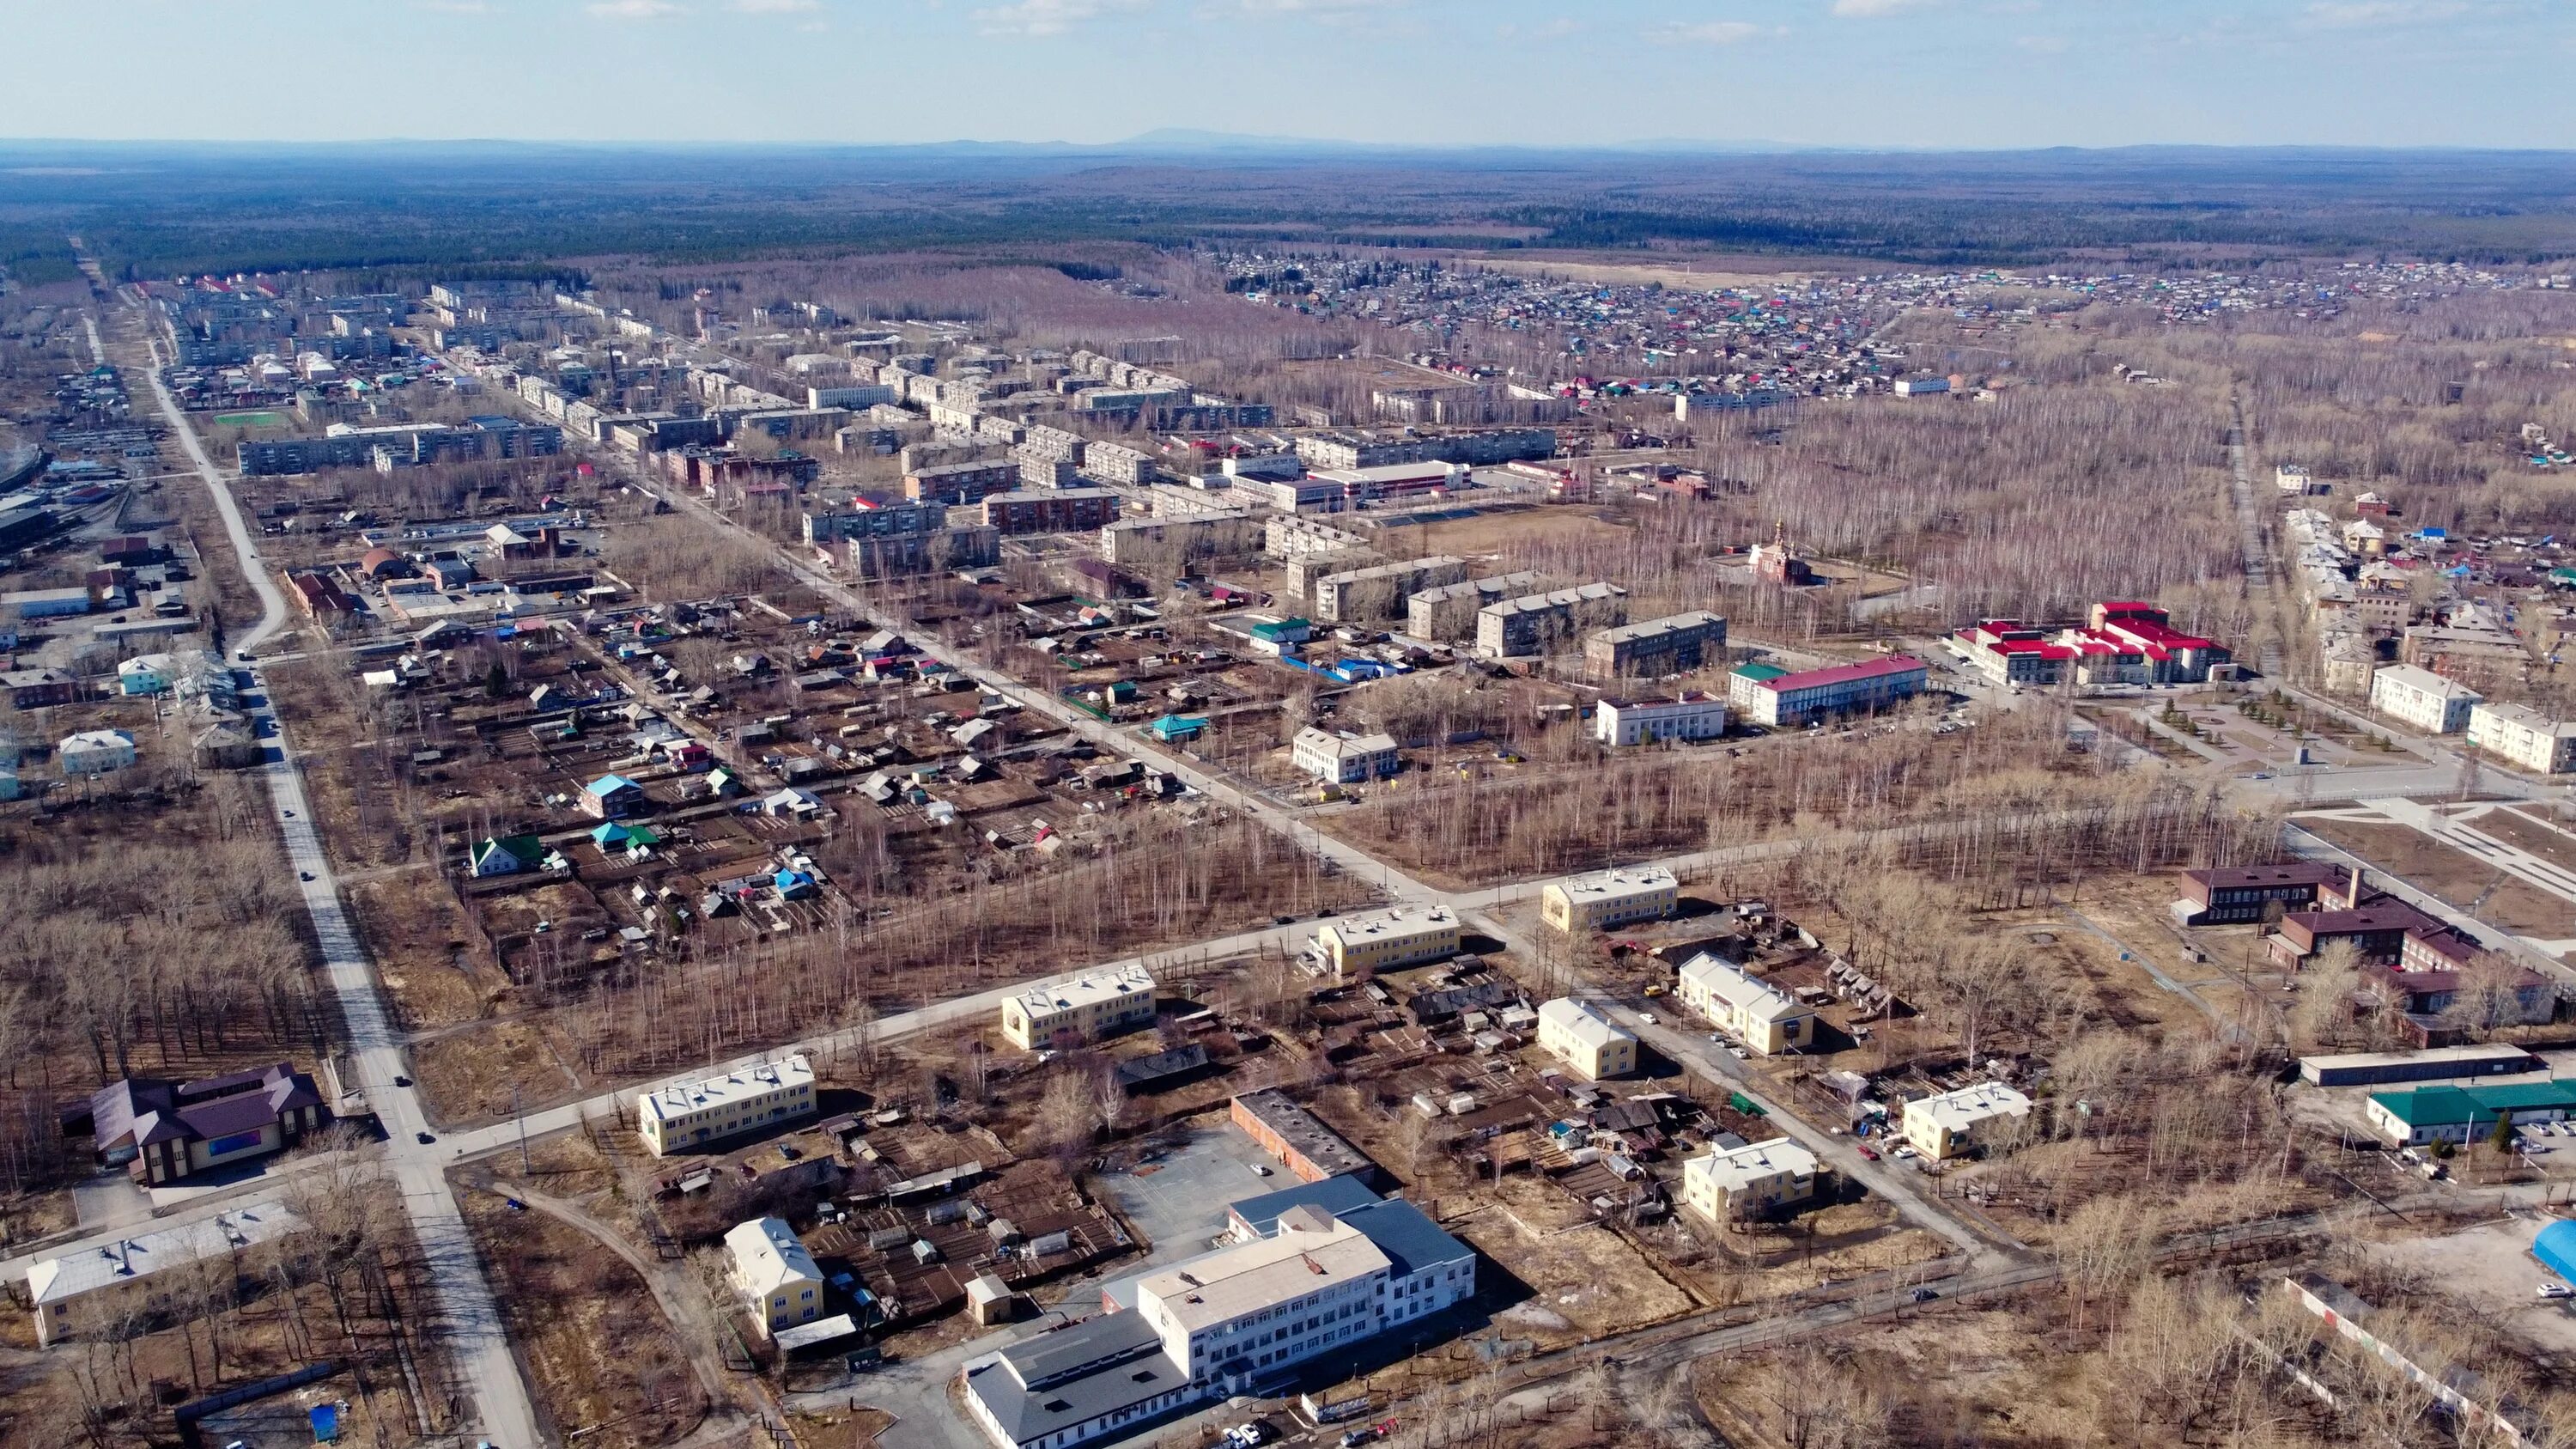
(521, 1120)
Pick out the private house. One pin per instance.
(1585, 1040)
(1081, 1011)
(510, 854)
(163, 1132)
(1954, 1123)
(686, 1116)
(611, 796)
(1609, 898)
(1759, 1178)
(774, 1274)
(1756, 1013)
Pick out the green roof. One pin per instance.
(2452, 1106)
(1758, 671)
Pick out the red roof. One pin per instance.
(1844, 673)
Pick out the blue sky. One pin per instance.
(1864, 73)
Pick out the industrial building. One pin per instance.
(1620, 723)
(1673, 644)
(690, 1115)
(1310, 1150)
(1609, 898)
(1081, 1011)
(1581, 1037)
(2465, 1114)
(1731, 1184)
(1768, 695)
(1756, 1013)
(1954, 1123)
(1543, 623)
(2423, 700)
(2372, 1069)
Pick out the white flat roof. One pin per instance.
(1395, 923)
(741, 1084)
(1970, 1105)
(1226, 1285)
(1581, 1022)
(58, 1280)
(1618, 884)
(1740, 1167)
(1097, 986)
(1748, 994)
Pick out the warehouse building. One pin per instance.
(2465, 1114)
(2374, 1069)
(1297, 1137)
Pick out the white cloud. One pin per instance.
(1319, 7)
(2363, 14)
(456, 7)
(1048, 17)
(633, 9)
(1709, 32)
(777, 7)
(1866, 8)
(2041, 44)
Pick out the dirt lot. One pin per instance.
(1498, 526)
(2551, 843)
(2455, 878)
(1585, 1281)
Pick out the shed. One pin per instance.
(989, 1300)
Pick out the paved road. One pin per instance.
(468, 1319)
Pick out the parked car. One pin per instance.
(1866, 1150)
(2557, 1290)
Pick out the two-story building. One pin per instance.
(1081, 1011)
(1581, 1037)
(1759, 1178)
(1763, 1017)
(692, 1115)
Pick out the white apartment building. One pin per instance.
(1344, 760)
(775, 1274)
(1954, 1122)
(2523, 737)
(1081, 1011)
(1609, 898)
(2421, 699)
(1622, 722)
(1388, 940)
(688, 1115)
(1749, 1181)
(1585, 1040)
(1763, 1017)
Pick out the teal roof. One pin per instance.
(2455, 1106)
(1758, 671)
(525, 848)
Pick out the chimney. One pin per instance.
(2352, 888)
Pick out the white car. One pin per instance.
(1647, 1017)
(1737, 1052)
(2557, 1290)
(1902, 1149)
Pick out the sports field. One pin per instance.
(251, 420)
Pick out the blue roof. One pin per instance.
(2556, 1249)
(1411, 1241)
(1335, 1195)
(607, 784)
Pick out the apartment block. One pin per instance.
(1609, 898)
(863, 519)
(1733, 1184)
(1673, 644)
(2524, 737)
(1051, 510)
(961, 483)
(691, 1115)
(1081, 1011)
(1544, 623)
(1585, 1040)
(1619, 723)
(1156, 540)
(1380, 593)
(1954, 1123)
(1388, 940)
(1763, 1017)
(1447, 613)
(2423, 700)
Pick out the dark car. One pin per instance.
(425, 1138)
(401, 1081)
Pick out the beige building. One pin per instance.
(1749, 1181)
(2524, 738)
(774, 1274)
(1955, 1122)
(1608, 898)
(1763, 1017)
(94, 1287)
(1585, 1040)
(689, 1115)
(2421, 699)
(1345, 759)
(1081, 1011)
(1388, 940)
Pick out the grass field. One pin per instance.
(251, 420)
